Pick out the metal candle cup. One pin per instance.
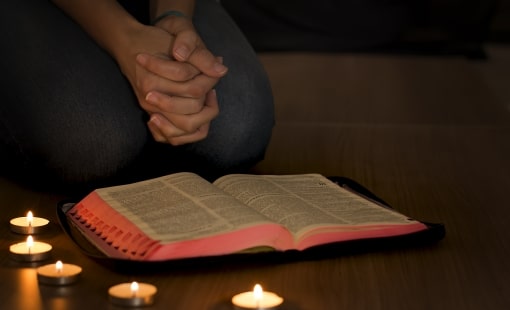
(257, 299)
(28, 225)
(30, 251)
(58, 274)
(132, 294)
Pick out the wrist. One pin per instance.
(127, 46)
(160, 7)
(167, 14)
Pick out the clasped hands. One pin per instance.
(174, 81)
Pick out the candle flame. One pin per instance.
(257, 292)
(30, 218)
(134, 288)
(30, 242)
(59, 266)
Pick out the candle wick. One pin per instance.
(134, 289)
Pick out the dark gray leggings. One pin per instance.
(69, 115)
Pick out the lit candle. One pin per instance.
(30, 251)
(58, 273)
(28, 225)
(132, 294)
(257, 299)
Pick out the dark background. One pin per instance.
(422, 26)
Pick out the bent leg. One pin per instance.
(239, 136)
(66, 111)
(69, 114)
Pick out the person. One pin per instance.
(98, 92)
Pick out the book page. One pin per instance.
(181, 206)
(302, 202)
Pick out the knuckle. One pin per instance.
(187, 124)
(196, 90)
(182, 73)
(174, 142)
(143, 85)
(179, 73)
(190, 127)
(202, 134)
(157, 136)
(160, 139)
(194, 106)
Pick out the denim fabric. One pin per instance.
(69, 115)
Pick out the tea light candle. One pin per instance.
(132, 294)
(258, 299)
(28, 225)
(58, 273)
(30, 251)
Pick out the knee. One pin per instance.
(238, 141)
(241, 133)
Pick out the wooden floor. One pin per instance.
(430, 135)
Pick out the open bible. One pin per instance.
(184, 216)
